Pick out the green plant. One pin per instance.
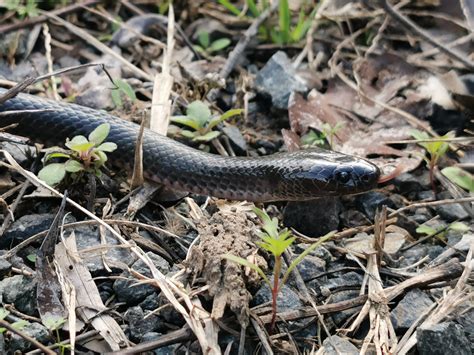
(122, 88)
(440, 231)
(18, 325)
(207, 47)
(460, 177)
(23, 8)
(327, 134)
(200, 119)
(54, 323)
(85, 156)
(275, 241)
(284, 33)
(434, 148)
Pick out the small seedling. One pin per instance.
(207, 47)
(200, 119)
(85, 156)
(18, 325)
(29, 9)
(275, 242)
(435, 149)
(460, 177)
(440, 231)
(327, 134)
(122, 88)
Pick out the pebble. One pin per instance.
(138, 325)
(441, 339)
(35, 330)
(21, 291)
(287, 299)
(341, 346)
(413, 305)
(278, 79)
(370, 201)
(24, 227)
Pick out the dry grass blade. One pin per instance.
(161, 103)
(89, 304)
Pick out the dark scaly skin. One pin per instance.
(301, 175)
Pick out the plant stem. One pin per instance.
(276, 279)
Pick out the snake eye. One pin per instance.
(343, 176)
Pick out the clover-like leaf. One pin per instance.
(200, 112)
(52, 174)
(107, 147)
(76, 141)
(98, 135)
(73, 166)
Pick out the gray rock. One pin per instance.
(412, 306)
(24, 227)
(2, 344)
(20, 152)
(287, 299)
(370, 201)
(418, 252)
(236, 138)
(126, 289)
(278, 79)
(89, 237)
(164, 350)
(21, 291)
(450, 212)
(466, 320)
(5, 267)
(410, 182)
(310, 267)
(138, 325)
(35, 330)
(336, 345)
(441, 339)
(313, 218)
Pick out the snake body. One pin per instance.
(300, 175)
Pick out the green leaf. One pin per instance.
(246, 263)
(116, 98)
(56, 155)
(187, 121)
(253, 8)
(460, 177)
(73, 166)
(52, 174)
(188, 134)
(76, 141)
(227, 4)
(284, 20)
(3, 313)
(31, 257)
(459, 227)
(99, 134)
(82, 148)
(424, 229)
(53, 322)
(125, 87)
(219, 44)
(200, 112)
(225, 116)
(303, 255)
(209, 136)
(203, 39)
(107, 147)
(101, 158)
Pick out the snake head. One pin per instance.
(332, 174)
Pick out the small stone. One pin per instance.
(21, 291)
(370, 201)
(466, 320)
(235, 137)
(19, 152)
(88, 237)
(313, 218)
(441, 339)
(24, 227)
(310, 267)
(412, 306)
(411, 182)
(336, 345)
(126, 287)
(278, 79)
(450, 212)
(34, 330)
(138, 325)
(418, 252)
(287, 299)
(5, 267)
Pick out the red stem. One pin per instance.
(276, 279)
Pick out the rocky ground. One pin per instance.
(136, 270)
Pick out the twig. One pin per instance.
(33, 341)
(431, 203)
(406, 22)
(39, 19)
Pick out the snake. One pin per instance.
(284, 176)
